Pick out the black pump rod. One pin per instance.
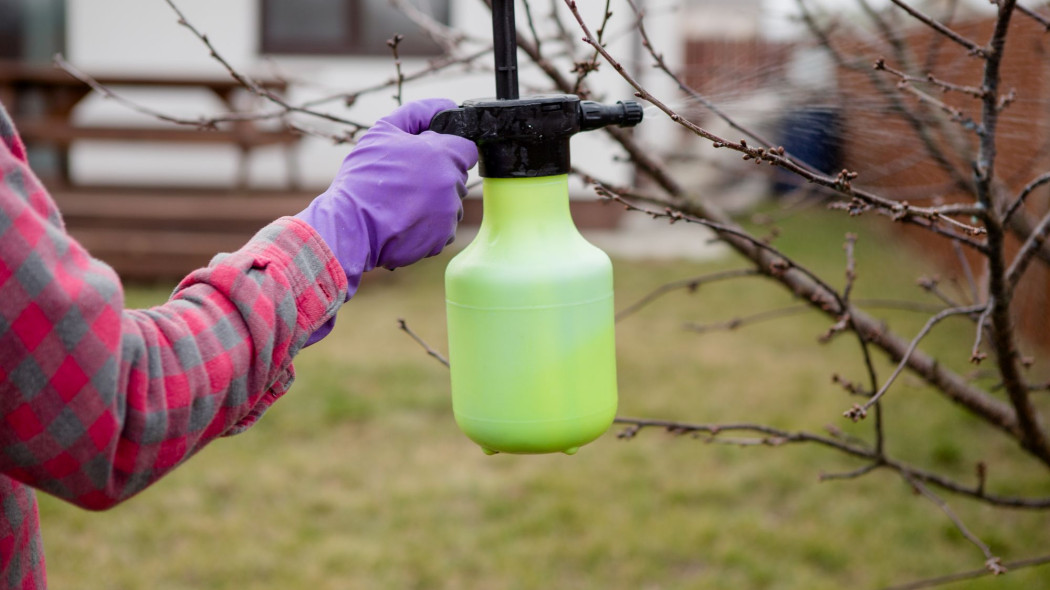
(505, 47)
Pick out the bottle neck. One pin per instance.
(530, 205)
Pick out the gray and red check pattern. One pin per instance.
(96, 401)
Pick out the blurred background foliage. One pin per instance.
(359, 477)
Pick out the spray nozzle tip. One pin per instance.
(594, 115)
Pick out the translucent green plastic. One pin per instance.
(530, 325)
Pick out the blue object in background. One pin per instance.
(812, 135)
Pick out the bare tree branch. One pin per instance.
(692, 284)
(635, 425)
(971, 47)
(992, 563)
(1011, 566)
(403, 325)
(860, 411)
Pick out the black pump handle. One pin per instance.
(505, 48)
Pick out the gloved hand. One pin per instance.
(396, 198)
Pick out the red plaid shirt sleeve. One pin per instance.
(96, 401)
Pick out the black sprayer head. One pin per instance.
(529, 136)
(522, 137)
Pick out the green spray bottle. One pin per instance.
(529, 301)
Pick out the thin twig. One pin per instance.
(976, 355)
(209, 123)
(1042, 20)
(945, 86)
(858, 412)
(404, 327)
(532, 25)
(1027, 253)
(932, 285)
(1011, 566)
(851, 265)
(250, 83)
(779, 265)
(393, 43)
(584, 68)
(661, 63)
(434, 67)
(992, 562)
(635, 425)
(904, 84)
(692, 284)
(1002, 280)
(948, 383)
(964, 262)
(733, 324)
(859, 472)
(1027, 190)
(971, 47)
(447, 37)
(841, 183)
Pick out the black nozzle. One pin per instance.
(595, 115)
(530, 136)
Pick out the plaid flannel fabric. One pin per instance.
(97, 402)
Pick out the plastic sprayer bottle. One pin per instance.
(529, 301)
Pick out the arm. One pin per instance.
(97, 402)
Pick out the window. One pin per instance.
(340, 27)
(32, 30)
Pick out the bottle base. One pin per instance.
(536, 437)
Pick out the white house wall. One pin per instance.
(142, 36)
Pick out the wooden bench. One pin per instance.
(41, 100)
(154, 234)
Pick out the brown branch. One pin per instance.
(851, 265)
(734, 323)
(945, 86)
(932, 285)
(584, 68)
(840, 183)
(635, 425)
(858, 412)
(1042, 20)
(1000, 279)
(1027, 253)
(249, 83)
(859, 472)
(692, 284)
(780, 263)
(992, 562)
(918, 125)
(1011, 566)
(949, 384)
(1027, 190)
(971, 47)
(661, 64)
(945, 382)
(448, 38)
(200, 122)
(432, 68)
(967, 272)
(392, 43)
(430, 351)
(532, 25)
(905, 85)
(976, 355)
(204, 123)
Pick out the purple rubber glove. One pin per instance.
(397, 196)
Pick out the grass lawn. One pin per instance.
(359, 478)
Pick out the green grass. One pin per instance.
(360, 479)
